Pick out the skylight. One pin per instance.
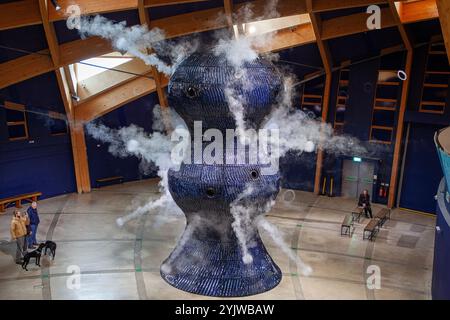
(270, 25)
(96, 75)
(94, 66)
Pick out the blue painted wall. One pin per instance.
(421, 163)
(298, 171)
(172, 10)
(102, 163)
(31, 38)
(358, 119)
(422, 169)
(43, 162)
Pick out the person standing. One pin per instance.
(26, 221)
(364, 202)
(18, 233)
(34, 223)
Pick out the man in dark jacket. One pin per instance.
(364, 202)
(34, 223)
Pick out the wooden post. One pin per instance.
(79, 153)
(403, 103)
(157, 76)
(327, 63)
(228, 6)
(50, 34)
(80, 157)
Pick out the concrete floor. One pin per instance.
(123, 263)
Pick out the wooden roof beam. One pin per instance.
(26, 67)
(416, 11)
(158, 3)
(354, 23)
(144, 17)
(115, 98)
(26, 12)
(88, 7)
(19, 14)
(197, 21)
(444, 18)
(50, 34)
(75, 51)
(228, 7)
(317, 25)
(157, 76)
(401, 28)
(91, 7)
(289, 38)
(105, 6)
(330, 5)
(284, 8)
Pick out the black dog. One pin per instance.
(33, 254)
(50, 245)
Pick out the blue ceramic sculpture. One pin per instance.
(208, 259)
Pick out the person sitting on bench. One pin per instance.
(364, 202)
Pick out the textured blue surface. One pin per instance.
(208, 258)
(440, 287)
(208, 75)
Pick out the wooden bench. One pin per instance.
(108, 179)
(347, 226)
(383, 215)
(371, 229)
(357, 213)
(17, 200)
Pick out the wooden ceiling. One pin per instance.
(27, 12)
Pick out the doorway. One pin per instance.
(357, 176)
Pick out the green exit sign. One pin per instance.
(357, 159)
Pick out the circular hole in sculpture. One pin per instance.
(192, 92)
(368, 87)
(238, 74)
(254, 174)
(210, 192)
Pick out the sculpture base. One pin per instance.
(216, 268)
